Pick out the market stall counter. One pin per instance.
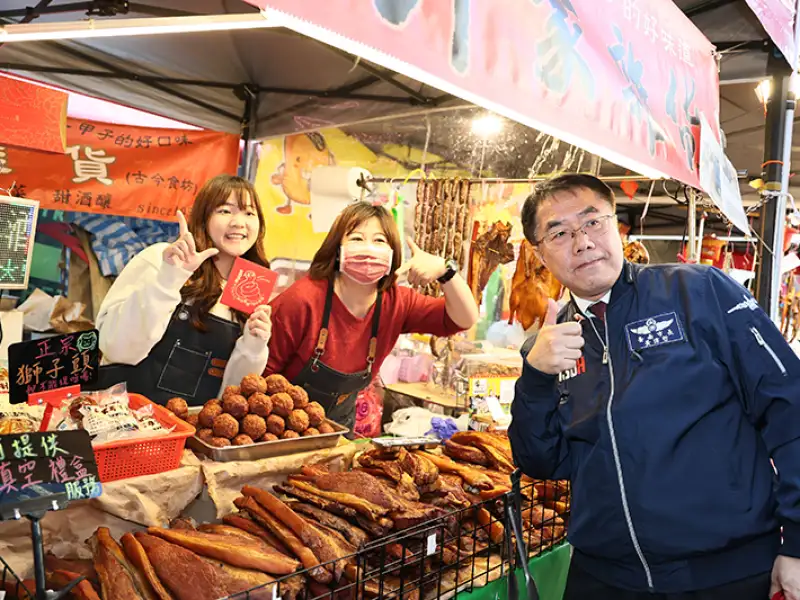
(200, 488)
(381, 517)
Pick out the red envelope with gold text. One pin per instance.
(249, 286)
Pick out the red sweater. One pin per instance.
(297, 318)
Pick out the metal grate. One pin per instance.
(12, 585)
(458, 552)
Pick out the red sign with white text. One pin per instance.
(621, 78)
(121, 170)
(778, 19)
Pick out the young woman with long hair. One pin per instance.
(162, 328)
(333, 329)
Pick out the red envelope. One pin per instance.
(249, 286)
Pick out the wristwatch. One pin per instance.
(452, 269)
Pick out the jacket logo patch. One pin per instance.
(579, 369)
(654, 331)
(748, 302)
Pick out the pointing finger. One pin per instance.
(403, 269)
(413, 246)
(182, 227)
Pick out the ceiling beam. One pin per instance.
(706, 6)
(105, 8)
(383, 75)
(350, 87)
(130, 76)
(67, 49)
(743, 46)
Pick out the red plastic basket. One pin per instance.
(134, 458)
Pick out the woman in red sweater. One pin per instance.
(332, 330)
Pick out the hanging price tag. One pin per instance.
(431, 548)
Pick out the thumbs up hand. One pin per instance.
(557, 347)
(422, 268)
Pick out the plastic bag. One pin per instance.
(18, 420)
(369, 412)
(107, 417)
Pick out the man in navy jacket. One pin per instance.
(662, 393)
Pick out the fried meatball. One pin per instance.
(192, 419)
(252, 384)
(231, 390)
(282, 404)
(275, 424)
(297, 421)
(289, 434)
(326, 428)
(235, 405)
(316, 414)
(260, 405)
(220, 442)
(277, 384)
(205, 434)
(225, 426)
(254, 426)
(242, 440)
(213, 402)
(299, 396)
(208, 414)
(268, 437)
(310, 431)
(178, 407)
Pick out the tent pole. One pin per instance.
(780, 115)
(249, 93)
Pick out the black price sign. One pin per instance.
(52, 363)
(36, 467)
(17, 233)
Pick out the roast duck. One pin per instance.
(317, 521)
(531, 287)
(489, 250)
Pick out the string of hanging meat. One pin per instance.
(441, 220)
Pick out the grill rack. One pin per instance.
(13, 585)
(414, 564)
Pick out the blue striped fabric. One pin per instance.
(116, 240)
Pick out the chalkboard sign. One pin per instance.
(17, 233)
(52, 363)
(37, 469)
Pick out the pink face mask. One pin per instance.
(365, 263)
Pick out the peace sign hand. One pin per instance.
(422, 268)
(183, 252)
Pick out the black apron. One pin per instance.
(185, 363)
(334, 390)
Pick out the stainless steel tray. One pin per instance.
(268, 449)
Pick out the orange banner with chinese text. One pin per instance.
(31, 116)
(121, 170)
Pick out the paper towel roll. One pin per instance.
(333, 189)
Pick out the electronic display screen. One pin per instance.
(17, 233)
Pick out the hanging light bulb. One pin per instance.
(487, 125)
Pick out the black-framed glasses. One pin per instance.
(594, 228)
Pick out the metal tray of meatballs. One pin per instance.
(262, 417)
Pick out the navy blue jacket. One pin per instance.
(668, 444)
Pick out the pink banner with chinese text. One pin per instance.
(621, 78)
(778, 19)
